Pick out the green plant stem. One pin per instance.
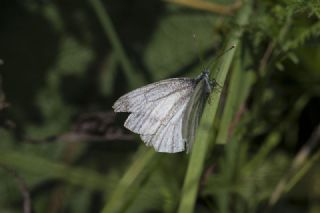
(134, 78)
(239, 87)
(121, 195)
(204, 134)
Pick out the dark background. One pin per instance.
(64, 150)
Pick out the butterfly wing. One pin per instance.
(168, 138)
(157, 111)
(136, 99)
(193, 112)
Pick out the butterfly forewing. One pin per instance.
(158, 112)
(136, 99)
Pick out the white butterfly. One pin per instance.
(166, 113)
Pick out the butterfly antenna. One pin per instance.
(196, 42)
(219, 55)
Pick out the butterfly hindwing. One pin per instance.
(193, 113)
(168, 138)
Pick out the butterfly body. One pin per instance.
(167, 113)
(209, 84)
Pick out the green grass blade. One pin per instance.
(47, 169)
(120, 197)
(203, 138)
(274, 137)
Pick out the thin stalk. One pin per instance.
(204, 133)
(302, 172)
(295, 172)
(134, 78)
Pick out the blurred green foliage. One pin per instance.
(63, 64)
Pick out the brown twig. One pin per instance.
(236, 120)
(266, 56)
(209, 6)
(97, 126)
(22, 187)
(116, 134)
(209, 171)
(273, 43)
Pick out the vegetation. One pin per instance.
(64, 63)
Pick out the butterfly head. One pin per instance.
(206, 73)
(210, 83)
(203, 75)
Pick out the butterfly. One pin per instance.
(167, 113)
